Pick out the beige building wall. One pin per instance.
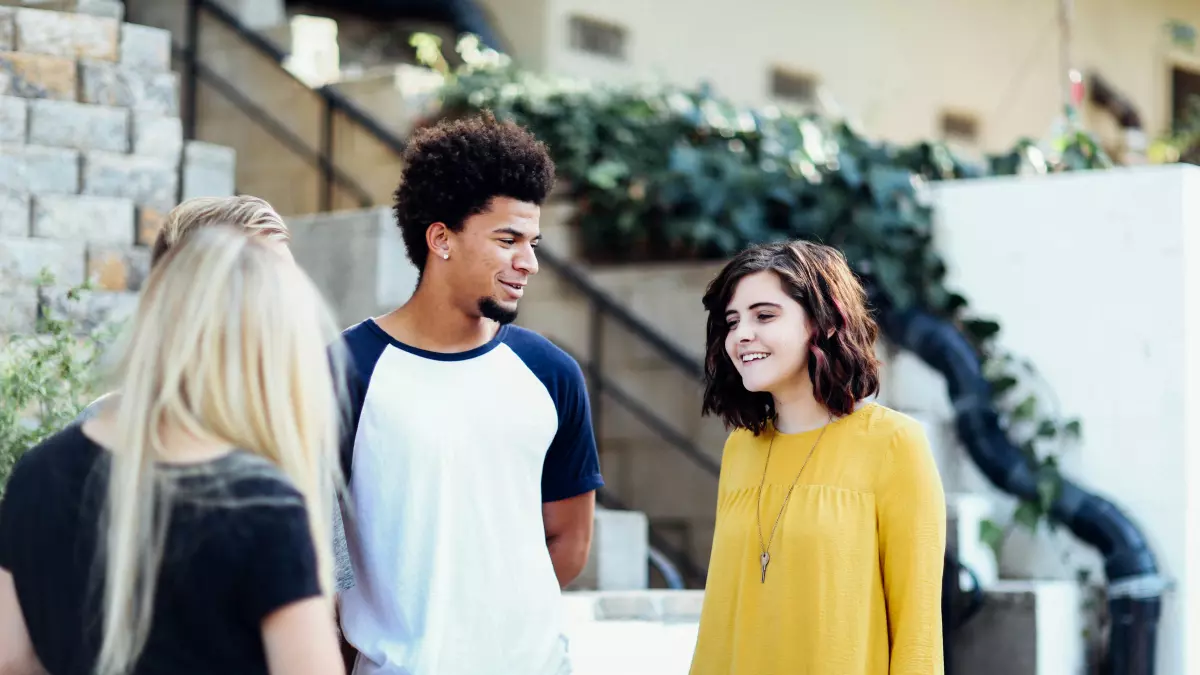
(894, 67)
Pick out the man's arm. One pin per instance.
(569, 524)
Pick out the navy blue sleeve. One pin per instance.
(572, 466)
(360, 348)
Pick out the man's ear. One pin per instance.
(437, 237)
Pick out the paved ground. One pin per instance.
(628, 646)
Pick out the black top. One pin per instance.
(238, 547)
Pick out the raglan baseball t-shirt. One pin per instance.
(452, 457)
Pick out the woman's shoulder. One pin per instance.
(741, 437)
(241, 479)
(66, 454)
(877, 422)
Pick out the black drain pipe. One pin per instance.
(1134, 586)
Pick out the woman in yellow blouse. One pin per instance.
(831, 520)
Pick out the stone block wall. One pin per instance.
(92, 155)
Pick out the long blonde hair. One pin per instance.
(230, 343)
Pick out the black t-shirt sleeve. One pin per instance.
(8, 534)
(281, 566)
(12, 505)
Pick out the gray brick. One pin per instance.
(145, 48)
(18, 311)
(51, 170)
(158, 136)
(96, 309)
(111, 9)
(23, 259)
(107, 220)
(148, 181)
(118, 268)
(14, 214)
(97, 37)
(116, 85)
(208, 170)
(82, 126)
(40, 31)
(39, 170)
(149, 223)
(13, 119)
(38, 76)
(7, 39)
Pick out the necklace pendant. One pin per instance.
(765, 558)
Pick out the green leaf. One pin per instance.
(1049, 484)
(1026, 409)
(1027, 515)
(1073, 429)
(607, 174)
(1003, 384)
(1047, 429)
(981, 329)
(992, 535)
(954, 303)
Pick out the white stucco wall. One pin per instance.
(1094, 277)
(893, 66)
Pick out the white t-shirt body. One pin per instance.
(452, 457)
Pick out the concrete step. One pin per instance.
(396, 96)
(632, 633)
(1025, 627)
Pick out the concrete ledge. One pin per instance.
(632, 632)
(1027, 627)
(651, 605)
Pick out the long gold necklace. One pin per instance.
(765, 558)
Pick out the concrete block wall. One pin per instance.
(92, 155)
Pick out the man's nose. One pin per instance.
(526, 261)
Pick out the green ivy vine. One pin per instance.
(667, 173)
(46, 378)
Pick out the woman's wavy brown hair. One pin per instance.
(841, 353)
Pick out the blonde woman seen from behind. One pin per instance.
(185, 529)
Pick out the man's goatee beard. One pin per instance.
(490, 309)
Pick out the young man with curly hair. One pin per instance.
(472, 465)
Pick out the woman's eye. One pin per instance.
(765, 317)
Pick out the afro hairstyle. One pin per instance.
(454, 169)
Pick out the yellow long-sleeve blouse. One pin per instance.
(854, 582)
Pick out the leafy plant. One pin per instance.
(1182, 144)
(667, 172)
(45, 378)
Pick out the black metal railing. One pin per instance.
(602, 307)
